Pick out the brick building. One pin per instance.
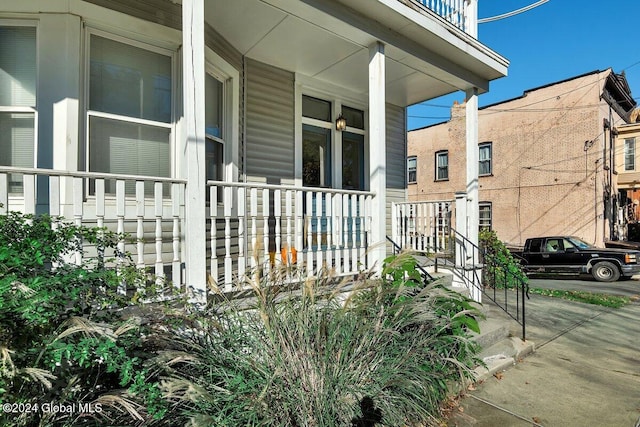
(545, 159)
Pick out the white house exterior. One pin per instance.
(207, 129)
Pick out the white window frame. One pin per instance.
(481, 146)
(230, 77)
(630, 154)
(337, 97)
(413, 169)
(484, 205)
(438, 154)
(33, 109)
(87, 113)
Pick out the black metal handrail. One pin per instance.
(425, 274)
(489, 264)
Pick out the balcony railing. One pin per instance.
(252, 229)
(422, 226)
(456, 12)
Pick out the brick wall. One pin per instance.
(547, 160)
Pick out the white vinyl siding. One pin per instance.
(269, 123)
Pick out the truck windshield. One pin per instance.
(579, 243)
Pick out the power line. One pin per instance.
(512, 13)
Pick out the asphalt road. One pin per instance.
(629, 288)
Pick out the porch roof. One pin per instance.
(328, 40)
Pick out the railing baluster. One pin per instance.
(157, 198)
(354, 232)
(309, 224)
(339, 237)
(345, 234)
(120, 213)
(329, 256)
(361, 244)
(265, 229)
(29, 185)
(140, 223)
(242, 263)
(319, 231)
(228, 264)
(255, 250)
(100, 214)
(77, 215)
(299, 231)
(277, 211)
(213, 233)
(288, 213)
(176, 270)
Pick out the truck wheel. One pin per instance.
(605, 272)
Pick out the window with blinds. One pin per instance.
(130, 109)
(17, 99)
(484, 158)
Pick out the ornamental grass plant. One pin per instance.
(331, 353)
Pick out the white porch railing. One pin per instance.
(265, 227)
(422, 226)
(456, 12)
(251, 228)
(149, 209)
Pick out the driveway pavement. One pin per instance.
(585, 371)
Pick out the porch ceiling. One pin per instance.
(424, 58)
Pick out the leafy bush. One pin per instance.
(63, 333)
(385, 352)
(502, 269)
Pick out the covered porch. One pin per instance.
(252, 133)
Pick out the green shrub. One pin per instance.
(502, 269)
(64, 337)
(385, 352)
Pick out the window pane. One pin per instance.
(352, 161)
(442, 166)
(629, 154)
(316, 156)
(412, 166)
(128, 148)
(355, 118)
(213, 106)
(17, 139)
(18, 66)
(129, 81)
(316, 109)
(214, 167)
(485, 216)
(16, 144)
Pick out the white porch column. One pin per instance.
(472, 166)
(193, 72)
(377, 156)
(461, 227)
(473, 215)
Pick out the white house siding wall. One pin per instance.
(396, 159)
(545, 179)
(269, 124)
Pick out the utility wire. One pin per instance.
(512, 13)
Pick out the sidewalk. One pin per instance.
(585, 371)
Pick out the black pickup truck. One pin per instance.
(567, 254)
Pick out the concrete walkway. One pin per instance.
(585, 371)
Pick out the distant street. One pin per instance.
(628, 288)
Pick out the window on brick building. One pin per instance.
(484, 216)
(442, 165)
(484, 158)
(630, 154)
(412, 169)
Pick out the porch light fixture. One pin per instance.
(341, 123)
